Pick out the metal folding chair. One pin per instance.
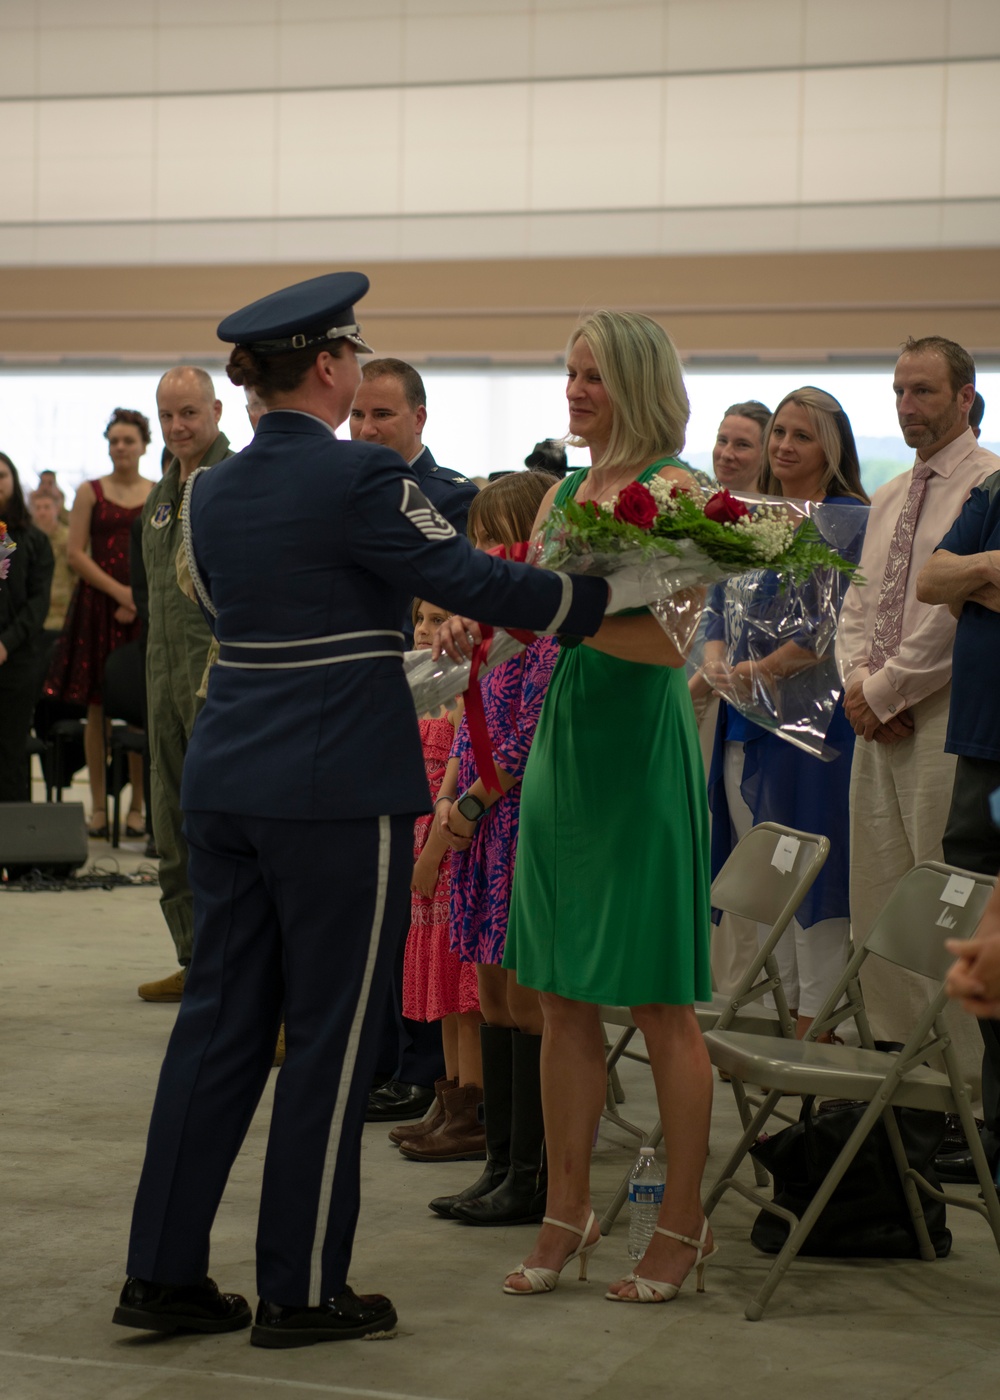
(932, 902)
(765, 879)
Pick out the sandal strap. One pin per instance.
(686, 1239)
(542, 1280)
(573, 1229)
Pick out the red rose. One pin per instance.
(636, 505)
(724, 508)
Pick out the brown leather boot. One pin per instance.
(167, 989)
(404, 1131)
(460, 1138)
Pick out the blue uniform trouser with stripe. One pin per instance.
(304, 915)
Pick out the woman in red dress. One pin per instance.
(102, 615)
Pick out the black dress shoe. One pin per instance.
(180, 1307)
(958, 1168)
(396, 1102)
(340, 1319)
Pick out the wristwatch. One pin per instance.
(471, 808)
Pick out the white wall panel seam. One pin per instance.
(515, 80)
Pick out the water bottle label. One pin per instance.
(646, 1194)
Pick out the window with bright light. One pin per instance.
(479, 421)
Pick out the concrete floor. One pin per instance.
(80, 1054)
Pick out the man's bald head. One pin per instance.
(189, 414)
(191, 377)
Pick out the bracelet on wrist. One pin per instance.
(443, 799)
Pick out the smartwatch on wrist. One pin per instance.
(471, 808)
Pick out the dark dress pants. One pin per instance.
(409, 1051)
(294, 913)
(972, 841)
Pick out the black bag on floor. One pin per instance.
(867, 1216)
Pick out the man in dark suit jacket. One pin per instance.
(390, 410)
(302, 780)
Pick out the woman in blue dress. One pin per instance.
(755, 776)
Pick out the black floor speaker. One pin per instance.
(46, 836)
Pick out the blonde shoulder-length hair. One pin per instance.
(842, 473)
(641, 371)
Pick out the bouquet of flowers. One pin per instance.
(678, 544)
(766, 643)
(7, 547)
(436, 685)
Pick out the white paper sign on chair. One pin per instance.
(784, 854)
(957, 890)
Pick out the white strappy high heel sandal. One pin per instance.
(647, 1288)
(544, 1280)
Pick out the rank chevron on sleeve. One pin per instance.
(419, 511)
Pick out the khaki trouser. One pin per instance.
(900, 794)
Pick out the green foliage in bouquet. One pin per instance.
(723, 529)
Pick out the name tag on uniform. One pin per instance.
(161, 516)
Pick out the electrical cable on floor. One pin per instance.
(101, 875)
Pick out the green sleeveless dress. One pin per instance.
(610, 902)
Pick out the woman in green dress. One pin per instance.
(611, 889)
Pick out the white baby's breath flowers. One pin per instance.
(664, 494)
(659, 490)
(771, 533)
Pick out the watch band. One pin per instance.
(469, 799)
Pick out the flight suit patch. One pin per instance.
(419, 511)
(161, 516)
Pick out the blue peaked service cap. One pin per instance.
(309, 313)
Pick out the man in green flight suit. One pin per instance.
(179, 639)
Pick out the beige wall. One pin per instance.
(770, 177)
(299, 131)
(807, 305)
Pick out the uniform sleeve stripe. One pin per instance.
(565, 603)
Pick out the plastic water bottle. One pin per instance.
(645, 1196)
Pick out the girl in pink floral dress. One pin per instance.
(511, 1188)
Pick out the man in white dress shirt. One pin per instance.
(895, 655)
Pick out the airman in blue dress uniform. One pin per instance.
(301, 784)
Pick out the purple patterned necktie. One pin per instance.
(888, 630)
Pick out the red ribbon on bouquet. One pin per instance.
(479, 734)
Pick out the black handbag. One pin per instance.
(867, 1216)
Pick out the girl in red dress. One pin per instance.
(437, 985)
(101, 614)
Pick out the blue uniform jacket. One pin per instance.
(300, 537)
(450, 491)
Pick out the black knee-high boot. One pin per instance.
(520, 1197)
(497, 1079)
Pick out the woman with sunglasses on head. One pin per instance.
(810, 455)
